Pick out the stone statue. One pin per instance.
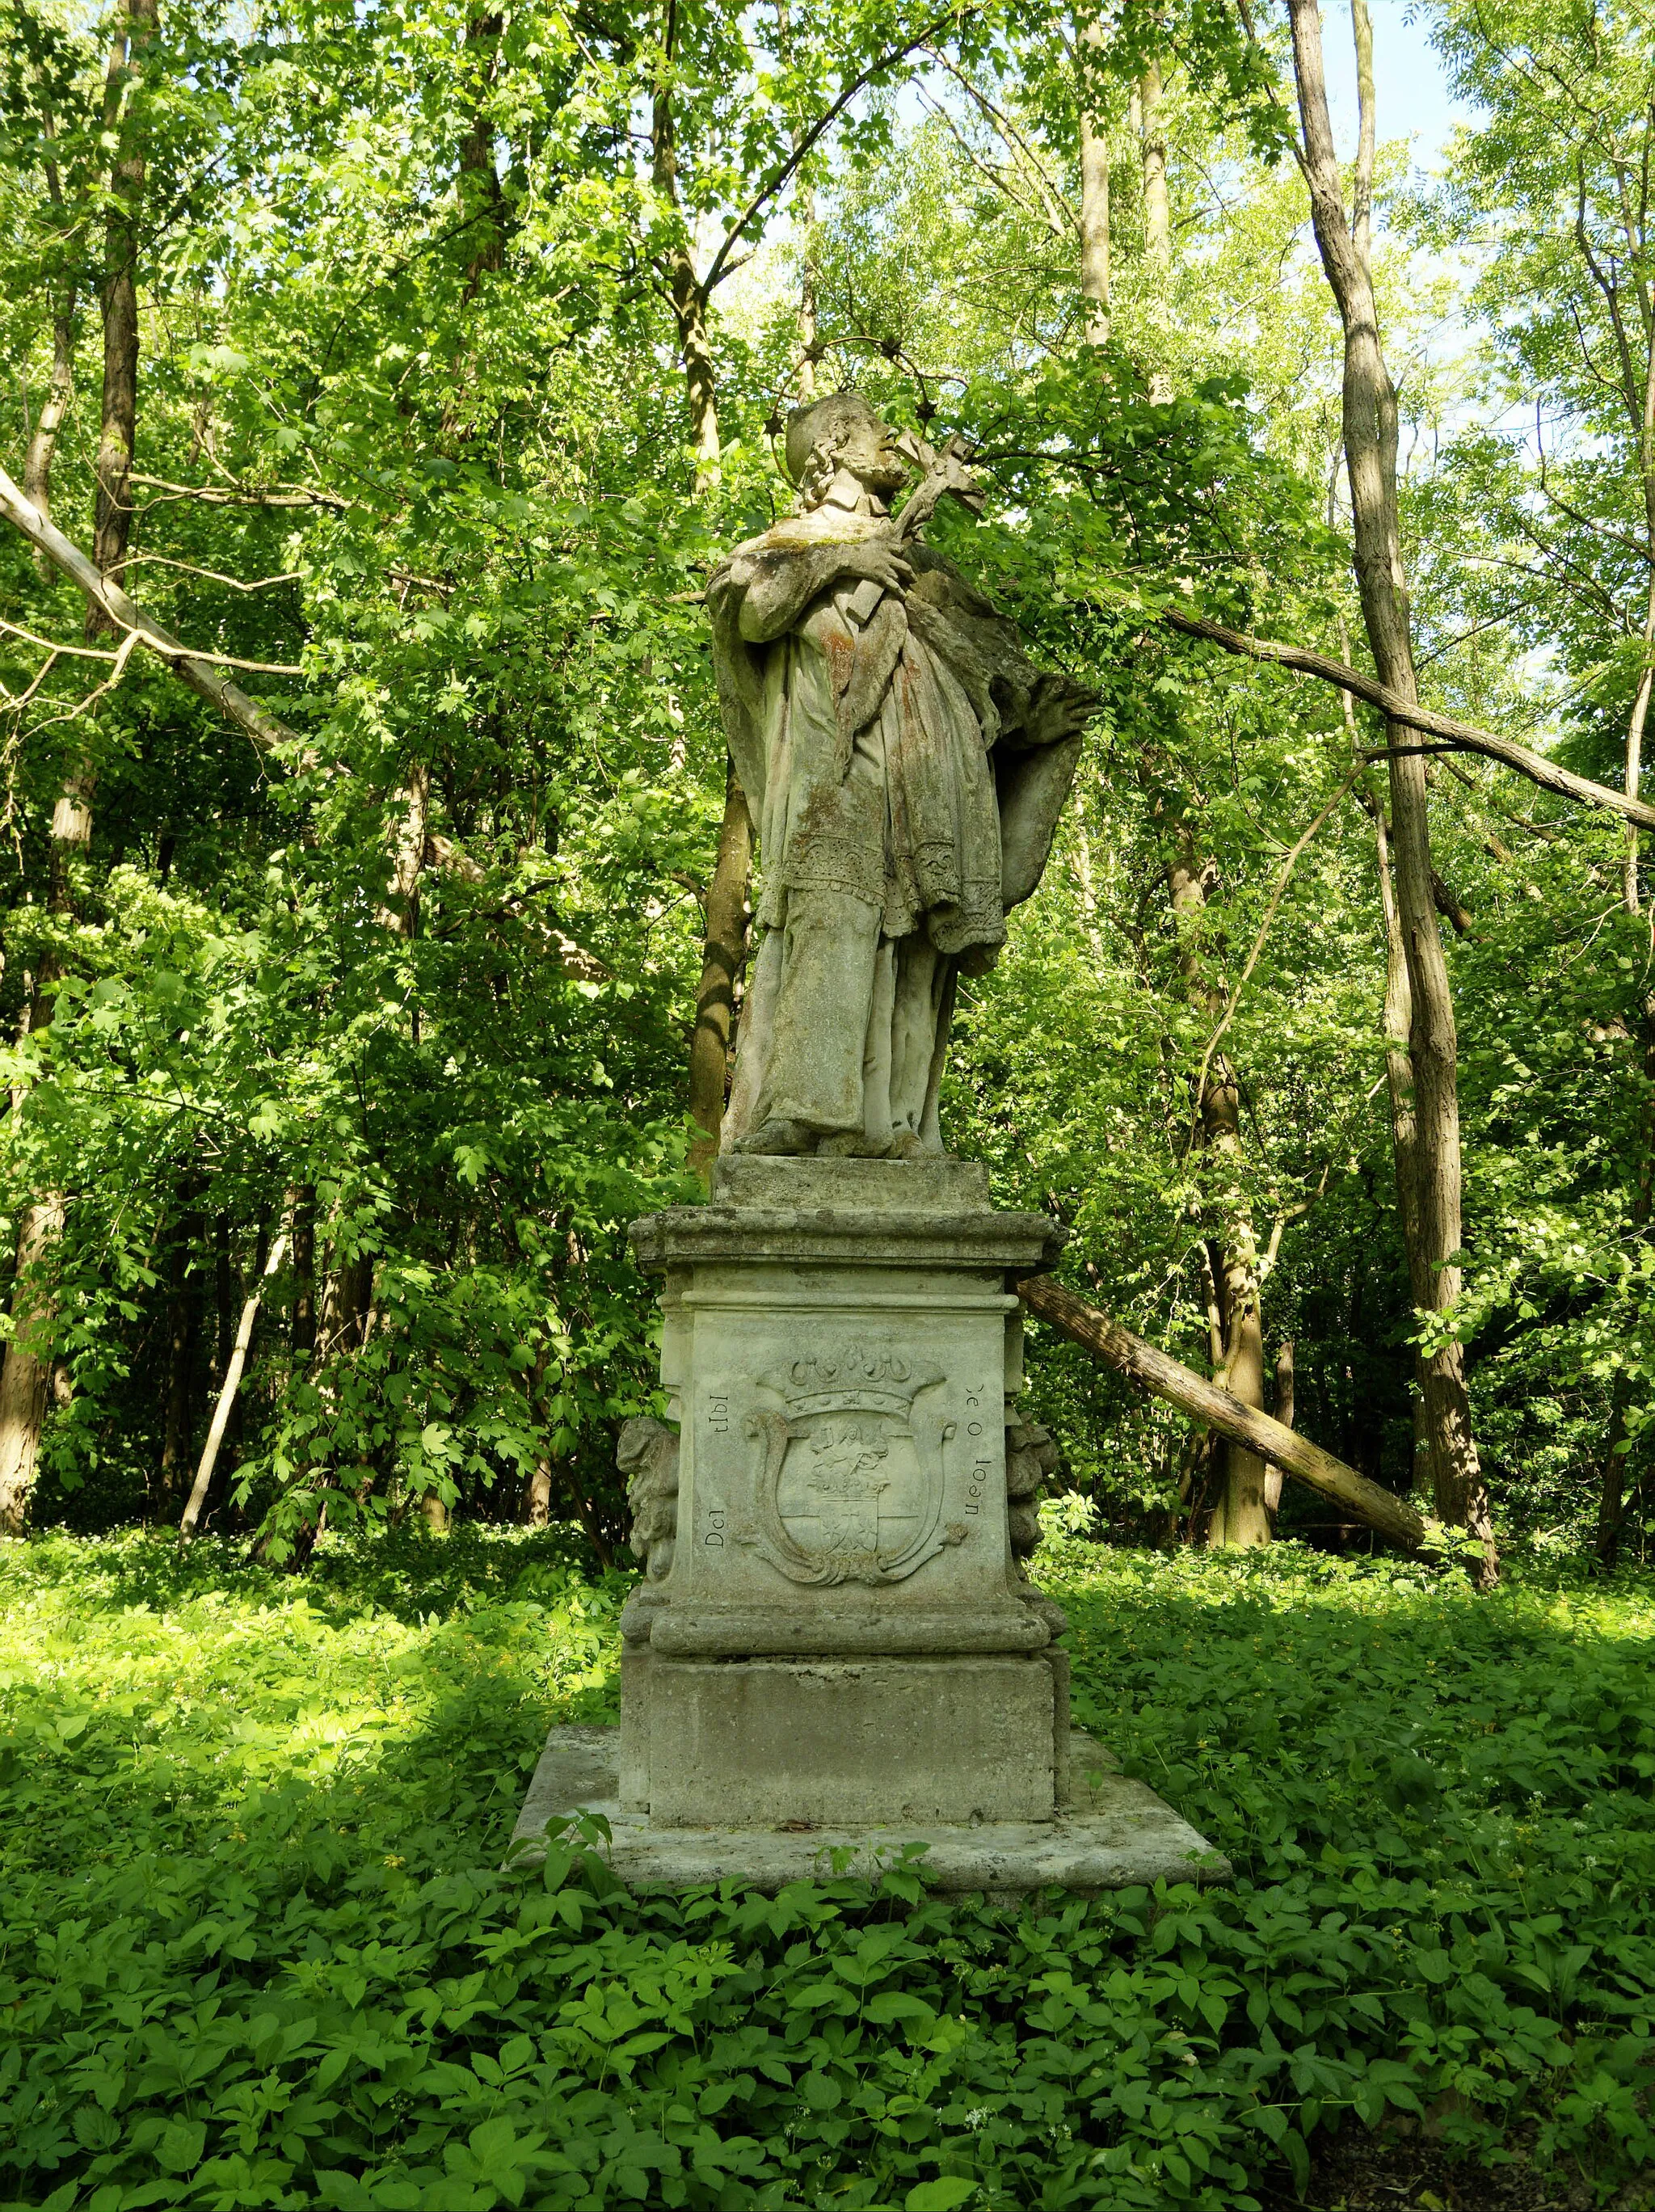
(647, 1453)
(905, 764)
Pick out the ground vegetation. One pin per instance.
(259, 1949)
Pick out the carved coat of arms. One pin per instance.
(848, 1475)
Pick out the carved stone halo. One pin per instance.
(848, 1477)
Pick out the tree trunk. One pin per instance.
(226, 1396)
(1157, 203)
(1369, 424)
(223, 1291)
(347, 1295)
(1152, 137)
(723, 958)
(688, 296)
(183, 1307)
(1641, 407)
(43, 439)
(112, 523)
(804, 203)
(22, 1394)
(724, 952)
(401, 911)
(482, 201)
(24, 1378)
(805, 382)
(1637, 722)
(341, 1327)
(538, 1496)
(1284, 1379)
(1094, 184)
(1612, 1489)
(1400, 1081)
(1241, 1517)
(1238, 1517)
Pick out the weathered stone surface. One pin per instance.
(840, 1351)
(906, 766)
(925, 1213)
(849, 1742)
(934, 1183)
(836, 1646)
(1116, 1834)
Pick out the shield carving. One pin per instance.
(848, 1475)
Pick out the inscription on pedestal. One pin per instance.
(982, 1459)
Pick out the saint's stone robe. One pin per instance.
(905, 765)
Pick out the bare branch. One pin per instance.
(997, 177)
(213, 575)
(239, 495)
(204, 673)
(141, 632)
(807, 140)
(1064, 221)
(1463, 737)
(1282, 882)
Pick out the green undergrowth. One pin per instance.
(257, 1950)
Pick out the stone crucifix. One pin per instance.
(906, 765)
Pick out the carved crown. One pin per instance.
(859, 1377)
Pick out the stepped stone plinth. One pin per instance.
(836, 1648)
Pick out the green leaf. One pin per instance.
(181, 2145)
(945, 2194)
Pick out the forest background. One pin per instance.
(381, 383)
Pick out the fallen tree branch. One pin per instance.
(1460, 737)
(1204, 1402)
(201, 674)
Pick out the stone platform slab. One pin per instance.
(1116, 1834)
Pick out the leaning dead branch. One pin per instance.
(232, 1383)
(1204, 1402)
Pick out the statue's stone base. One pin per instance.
(835, 1648)
(833, 1627)
(1115, 1834)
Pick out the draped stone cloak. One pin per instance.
(900, 749)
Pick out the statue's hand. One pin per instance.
(878, 560)
(1059, 709)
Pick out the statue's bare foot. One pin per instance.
(852, 1145)
(777, 1139)
(908, 1147)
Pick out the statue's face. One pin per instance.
(870, 452)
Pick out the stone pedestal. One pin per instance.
(840, 1632)
(834, 1637)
